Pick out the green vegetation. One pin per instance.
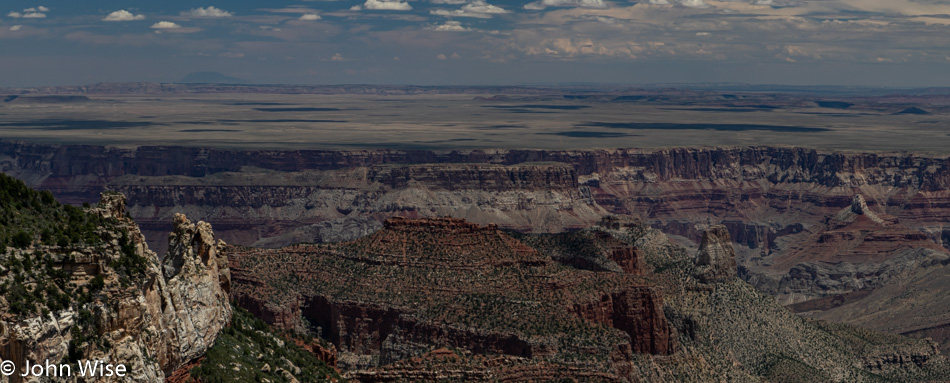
(250, 351)
(38, 238)
(30, 217)
(129, 263)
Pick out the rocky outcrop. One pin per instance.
(716, 259)
(150, 320)
(860, 207)
(636, 311)
(194, 298)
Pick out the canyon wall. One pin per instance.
(761, 193)
(778, 204)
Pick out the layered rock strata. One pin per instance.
(775, 202)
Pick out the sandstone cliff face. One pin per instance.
(716, 258)
(152, 322)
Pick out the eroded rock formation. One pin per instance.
(716, 259)
(149, 320)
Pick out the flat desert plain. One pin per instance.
(465, 122)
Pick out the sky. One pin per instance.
(896, 43)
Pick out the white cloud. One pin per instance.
(442, 56)
(16, 28)
(337, 57)
(123, 15)
(448, 2)
(165, 25)
(478, 8)
(542, 4)
(210, 12)
(694, 4)
(29, 13)
(310, 16)
(450, 26)
(385, 5)
(659, 2)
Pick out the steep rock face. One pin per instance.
(194, 298)
(716, 259)
(151, 322)
(637, 312)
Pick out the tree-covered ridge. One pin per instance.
(52, 254)
(251, 351)
(30, 217)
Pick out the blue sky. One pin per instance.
(840, 42)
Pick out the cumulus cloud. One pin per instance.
(567, 48)
(384, 5)
(16, 28)
(478, 8)
(123, 15)
(30, 13)
(542, 4)
(441, 57)
(310, 16)
(450, 26)
(659, 2)
(448, 2)
(337, 57)
(165, 25)
(694, 4)
(209, 12)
